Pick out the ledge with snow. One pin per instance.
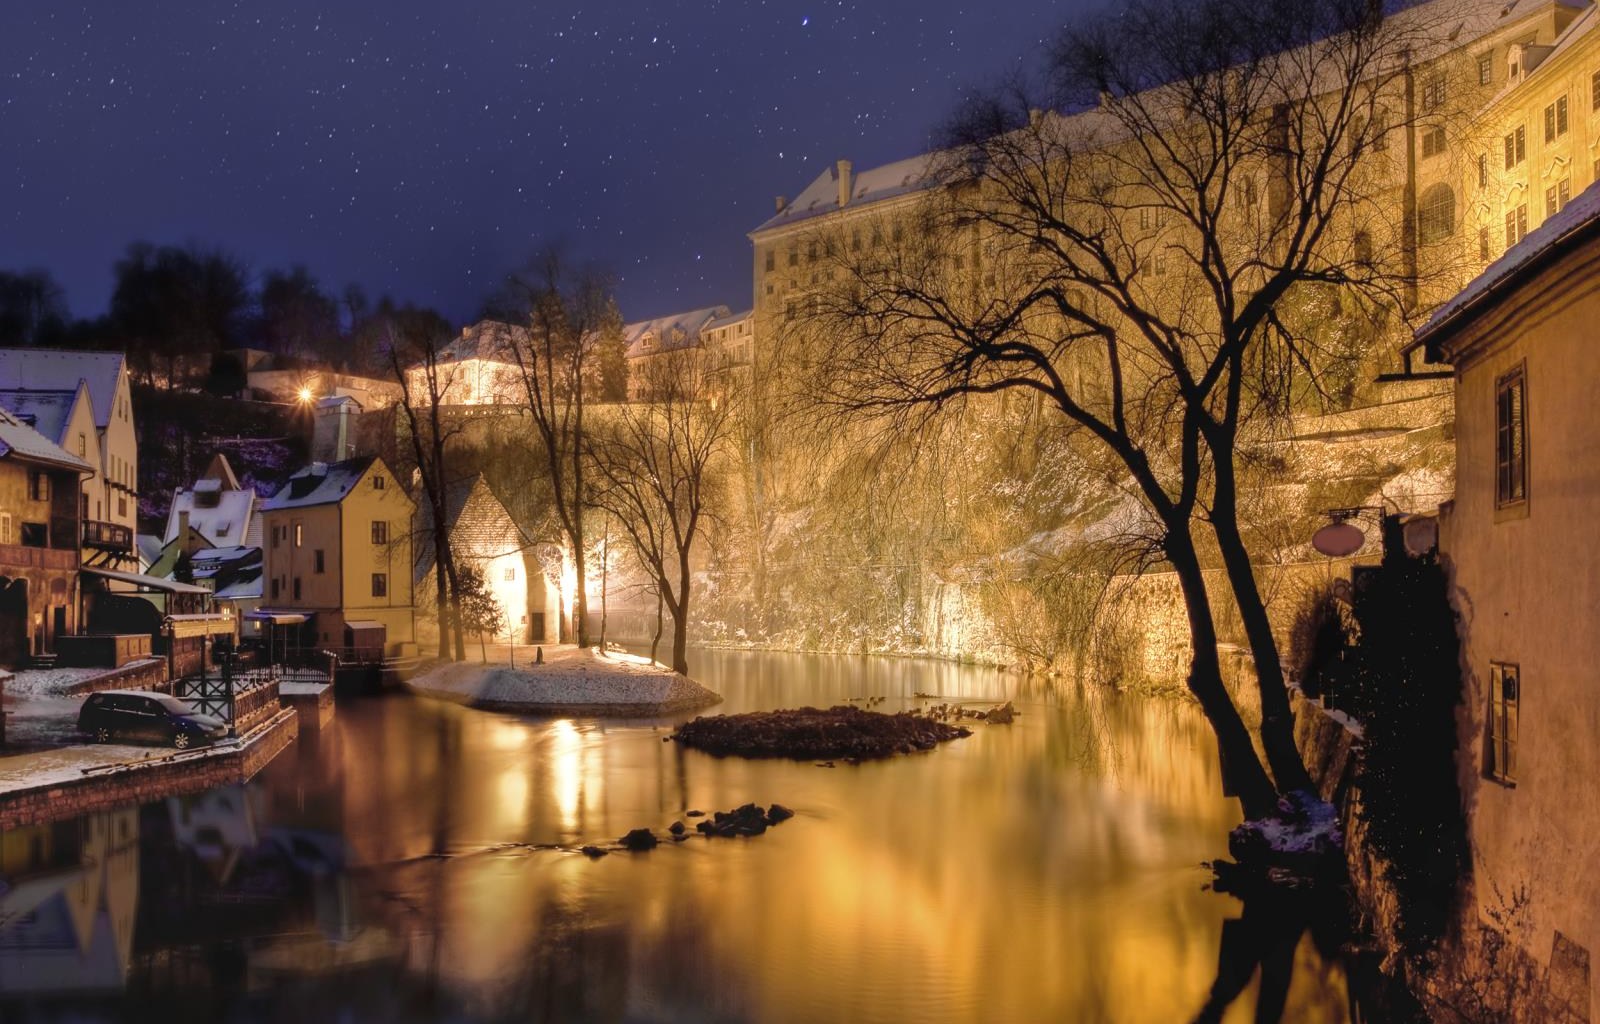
(571, 682)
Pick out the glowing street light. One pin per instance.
(305, 394)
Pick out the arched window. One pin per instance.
(1437, 214)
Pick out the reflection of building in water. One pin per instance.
(217, 826)
(68, 896)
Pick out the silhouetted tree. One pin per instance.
(297, 318)
(33, 308)
(170, 303)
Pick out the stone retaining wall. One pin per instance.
(140, 675)
(145, 782)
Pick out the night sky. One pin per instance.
(424, 148)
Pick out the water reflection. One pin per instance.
(415, 862)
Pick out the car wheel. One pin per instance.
(181, 740)
(102, 735)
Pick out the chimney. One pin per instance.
(843, 169)
(183, 528)
(780, 204)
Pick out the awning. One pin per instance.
(277, 618)
(141, 580)
(364, 625)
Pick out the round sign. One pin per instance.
(1338, 539)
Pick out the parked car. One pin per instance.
(147, 717)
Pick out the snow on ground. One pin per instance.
(569, 681)
(45, 682)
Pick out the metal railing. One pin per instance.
(107, 536)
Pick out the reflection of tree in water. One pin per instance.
(1265, 938)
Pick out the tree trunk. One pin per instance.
(455, 604)
(655, 641)
(440, 547)
(1277, 717)
(680, 620)
(1242, 773)
(605, 576)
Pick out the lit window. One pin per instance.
(511, 574)
(377, 482)
(1516, 147)
(299, 534)
(1437, 214)
(1505, 694)
(1483, 170)
(1511, 439)
(1555, 120)
(1516, 225)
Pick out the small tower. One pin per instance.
(333, 433)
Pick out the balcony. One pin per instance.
(107, 536)
(23, 556)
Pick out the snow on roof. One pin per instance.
(25, 443)
(912, 174)
(676, 330)
(729, 320)
(244, 587)
(486, 339)
(1578, 217)
(321, 483)
(45, 411)
(219, 515)
(53, 369)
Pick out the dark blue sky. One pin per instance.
(423, 148)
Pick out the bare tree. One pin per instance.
(570, 320)
(657, 473)
(418, 359)
(1135, 264)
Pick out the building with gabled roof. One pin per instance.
(85, 397)
(338, 562)
(218, 506)
(476, 368)
(483, 534)
(39, 538)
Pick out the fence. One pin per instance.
(242, 695)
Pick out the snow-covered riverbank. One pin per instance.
(570, 681)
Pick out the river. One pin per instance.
(398, 866)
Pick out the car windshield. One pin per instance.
(175, 706)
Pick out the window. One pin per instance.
(1433, 93)
(299, 534)
(1483, 244)
(35, 535)
(380, 584)
(772, 261)
(83, 446)
(1380, 131)
(1556, 196)
(1594, 91)
(1516, 224)
(1555, 120)
(1505, 694)
(122, 504)
(276, 535)
(38, 486)
(1363, 247)
(855, 241)
(788, 312)
(274, 588)
(1516, 145)
(1486, 69)
(1483, 170)
(1511, 438)
(1437, 214)
(1144, 218)
(5, 528)
(511, 574)
(378, 483)
(380, 532)
(1433, 141)
(297, 588)
(811, 252)
(318, 562)
(794, 258)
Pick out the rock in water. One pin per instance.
(813, 734)
(777, 813)
(677, 828)
(1002, 715)
(639, 839)
(594, 852)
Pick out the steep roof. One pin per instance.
(480, 526)
(18, 440)
(48, 412)
(321, 483)
(486, 339)
(1577, 221)
(728, 319)
(58, 370)
(218, 508)
(675, 330)
(902, 177)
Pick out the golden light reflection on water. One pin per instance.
(1048, 870)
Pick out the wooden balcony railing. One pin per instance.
(107, 536)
